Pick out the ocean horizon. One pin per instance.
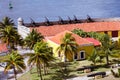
(52, 9)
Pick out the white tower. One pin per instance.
(20, 21)
(22, 29)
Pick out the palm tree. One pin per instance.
(21, 42)
(14, 61)
(33, 38)
(68, 46)
(48, 51)
(48, 60)
(42, 55)
(108, 48)
(6, 22)
(94, 57)
(10, 36)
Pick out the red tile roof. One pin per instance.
(3, 47)
(95, 26)
(81, 41)
(94, 41)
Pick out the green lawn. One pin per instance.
(54, 75)
(52, 71)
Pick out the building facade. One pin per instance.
(84, 50)
(110, 28)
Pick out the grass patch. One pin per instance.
(56, 71)
(53, 71)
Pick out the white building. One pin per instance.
(22, 30)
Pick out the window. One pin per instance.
(75, 56)
(106, 32)
(82, 54)
(114, 33)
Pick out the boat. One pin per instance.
(10, 6)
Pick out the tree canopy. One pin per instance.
(33, 38)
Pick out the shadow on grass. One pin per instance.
(61, 78)
(116, 60)
(92, 67)
(103, 66)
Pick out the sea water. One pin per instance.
(39, 9)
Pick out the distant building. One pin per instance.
(110, 28)
(54, 33)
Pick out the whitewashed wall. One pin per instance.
(23, 31)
